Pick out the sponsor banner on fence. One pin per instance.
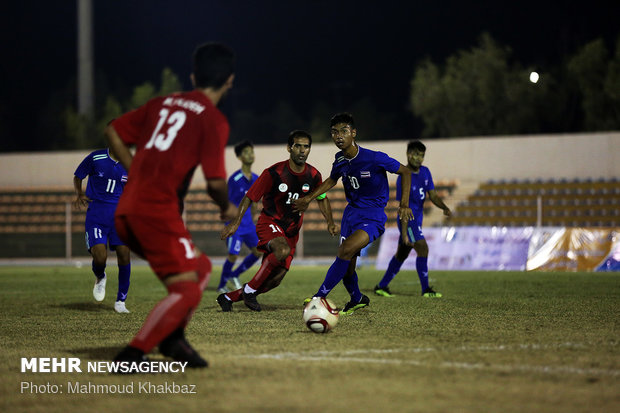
(502, 248)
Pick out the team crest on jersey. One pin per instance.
(305, 188)
(283, 187)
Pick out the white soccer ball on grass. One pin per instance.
(320, 315)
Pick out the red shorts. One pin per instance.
(267, 229)
(162, 240)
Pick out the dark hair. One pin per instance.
(241, 146)
(343, 117)
(298, 133)
(213, 65)
(416, 145)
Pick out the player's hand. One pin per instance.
(230, 213)
(81, 201)
(405, 213)
(229, 230)
(447, 212)
(301, 204)
(333, 229)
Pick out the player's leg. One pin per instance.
(124, 272)
(99, 253)
(348, 249)
(421, 266)
(250, 239)
(234, 247)
(393, 268)
(168, 248)
(97, 244)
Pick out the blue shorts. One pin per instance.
(414, 229)
(242, 236)
(369, 220)
(100, 227)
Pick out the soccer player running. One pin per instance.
(421, 184)
(238, 184)
(106, 179)
(173, 135)
(278, 224)
(363, 173)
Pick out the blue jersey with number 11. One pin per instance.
(106, 177)
(364, 177)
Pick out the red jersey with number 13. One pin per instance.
(279, 186)
(173, 134)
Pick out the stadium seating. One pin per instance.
(577, 203)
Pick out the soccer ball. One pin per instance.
(320, 315)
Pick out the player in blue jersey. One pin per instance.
(106, 180)
(421, 184)
(238, 184)
(364, 177)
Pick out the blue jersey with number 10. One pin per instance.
(364, 177)
(106, 177)
(421, 183)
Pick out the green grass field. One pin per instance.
(496, 342)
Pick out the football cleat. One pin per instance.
(307, 300)
(384, 292)
(131, 355)
(351, 307)
(99, 288)
(430, 293)
(179, 349)
(250, 301)
(236, 283)
(224, 303)
(119, 307)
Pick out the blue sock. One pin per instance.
(390, 273)
(98, 270)
(421, 265)
(123, 281)
(352, 285)
(247, 263)
(226, 271)
(335, 273)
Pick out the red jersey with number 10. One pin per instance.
(173, 134)
(279, 186)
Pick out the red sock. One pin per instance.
(235, 296)
(269, 264)
(204, 271)
(169, 314)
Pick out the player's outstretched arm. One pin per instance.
(301, 204)
(404, 212)
(235, 221)
(438, 202)
(326, 210)
(81, 199)
(118, 147)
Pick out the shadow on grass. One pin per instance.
(97, 353)
(93, 307)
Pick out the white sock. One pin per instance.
(248, 289)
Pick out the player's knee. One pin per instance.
(281, 252)
(421, 248)
(346, 252)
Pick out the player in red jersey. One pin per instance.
(278, 225)
(173, 135)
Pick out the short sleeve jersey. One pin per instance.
(106, 177)
(238, 185)
(421, 183)
(279, 187)
(364, 177)
(173, 135)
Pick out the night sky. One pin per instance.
(297, 51)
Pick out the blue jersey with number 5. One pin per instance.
(106, 177)
(364, 177)
(421, 183)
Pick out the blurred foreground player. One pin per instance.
(106, 180)
(173, 135)
(238, 184)
(278, 224)
(421, 184)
